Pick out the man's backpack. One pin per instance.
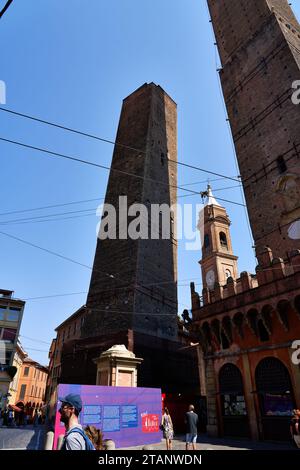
(88, 443)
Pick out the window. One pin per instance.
(227, 273)
(223, 239)
(13, 314)
(74, 330)
(26, 372)
(22, 392)
(32, 387)
(2, 312)
(9, 335)
(8, 357)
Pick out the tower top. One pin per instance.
(210, 199)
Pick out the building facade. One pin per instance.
(31, 386)
(247, 328)
(259, 47)
(11, 313)
(68, 330)
(18, 360)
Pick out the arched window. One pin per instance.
(223, 240)
(234, 411)
(275, 392)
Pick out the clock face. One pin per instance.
(210, 278)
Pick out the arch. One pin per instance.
(223, 239)
(266, 315)
(238, 321)
(252, 316)
(276, 397)
(234, 412)
(284, 311)
(227, 327)
(206, 333)
(262, 331)
(230, 379)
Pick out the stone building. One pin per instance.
(259, 47)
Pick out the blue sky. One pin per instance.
(73, 62)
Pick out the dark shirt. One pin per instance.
(191, 420)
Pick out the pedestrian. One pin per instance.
(75, 437)
(167, 427)
(191, 421)
(95, 435)
(295, 428)
(10, 417)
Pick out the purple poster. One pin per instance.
(129, 416)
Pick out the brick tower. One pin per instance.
(259, 46)
(132, 298)
(134, 281)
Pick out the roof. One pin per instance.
(72, 317)
(210, 200)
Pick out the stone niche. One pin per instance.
(117, 367)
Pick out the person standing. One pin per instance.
(75, 437)
(191, 420)
(167, 427)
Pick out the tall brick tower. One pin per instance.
(259, 46)
(132, 298)
(134, 281)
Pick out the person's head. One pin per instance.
(95, 435)
(191, 408)
(71, 405)
(167, 411)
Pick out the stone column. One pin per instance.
(212, 421)
(249, 397)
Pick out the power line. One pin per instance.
(34, 339)
(97, 165)
(109, 275)
(8, 3)
(92, 136)
(50, 206)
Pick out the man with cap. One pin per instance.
(75, 438)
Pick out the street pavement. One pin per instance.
(32, 438)
(211, 443)
(22, 438)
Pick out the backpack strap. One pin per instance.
(88, 444)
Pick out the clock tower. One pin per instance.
(218, 262)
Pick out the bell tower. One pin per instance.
(218, 262)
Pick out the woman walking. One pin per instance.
(167, 427)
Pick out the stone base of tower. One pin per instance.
(167, 364)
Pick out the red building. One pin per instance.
(246, 328)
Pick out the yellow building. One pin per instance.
(18, 360)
